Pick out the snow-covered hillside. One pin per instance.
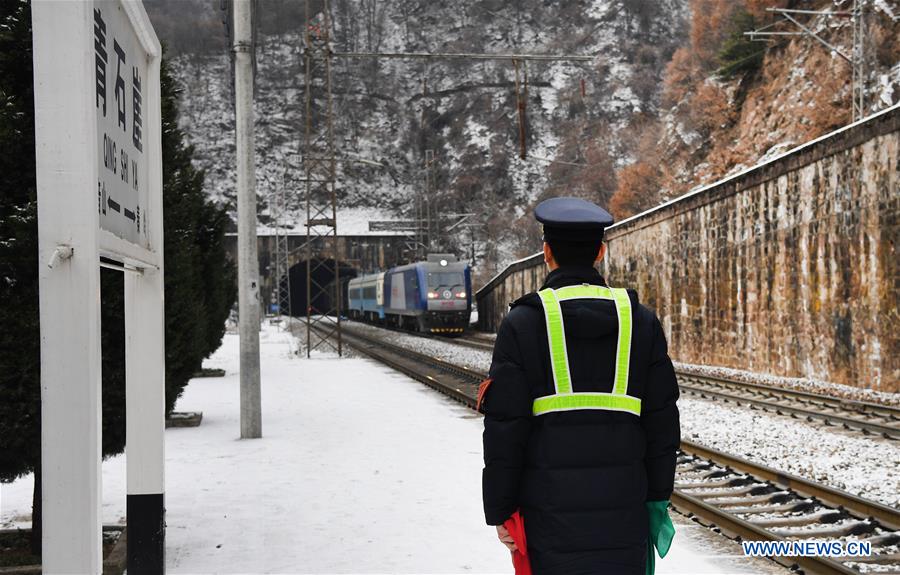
(390, 111)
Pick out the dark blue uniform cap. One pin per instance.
(572, 219)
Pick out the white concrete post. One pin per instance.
(248, 262)
(145, 368)
(65, 147)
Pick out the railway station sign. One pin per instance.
(98, 165)
(121, 76)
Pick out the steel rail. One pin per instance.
(474, 343)
(689, 382)
(810, 414)
(739, 528)
(402, 356)
(888, 516)
(877, 409)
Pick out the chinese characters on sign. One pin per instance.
(120, 64)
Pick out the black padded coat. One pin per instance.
(580, 478)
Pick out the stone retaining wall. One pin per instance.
(788, 268)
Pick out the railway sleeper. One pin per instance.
(884, 539)
(715, 473)
(687, 462)
(852, 528)
(884, 559)
(690, 475)
(699, 464)
(713, 493)
(768, 498)
(721, 472)
(728, 481)
(824, 516)
(892, 424)
(805, 505)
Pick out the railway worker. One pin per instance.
(581, 424)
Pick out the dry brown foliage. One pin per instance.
(679, 78)
(638, 190)
(831, 103)
(709, 109)
(801, 92)
(710, 25)
(758, 8)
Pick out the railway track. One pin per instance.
(739, 498)
(867, 418)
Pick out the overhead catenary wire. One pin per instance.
(518, 59)
(464, 56)
(857, 57)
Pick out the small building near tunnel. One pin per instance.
(358, 250)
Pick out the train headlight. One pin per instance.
(443, 262)
(432, 295)
(461, 294)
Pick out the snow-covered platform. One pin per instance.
(360, 470)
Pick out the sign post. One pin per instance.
(99, 187)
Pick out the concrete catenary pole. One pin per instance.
(248, 262)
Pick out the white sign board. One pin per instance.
(121, 74)
(99, 189)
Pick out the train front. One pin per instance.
(448, 295)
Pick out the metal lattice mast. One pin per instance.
(856, 58)
(282, 265)
(432, 227)
(323, 285)
(859, 61)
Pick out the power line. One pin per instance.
(464, 56)
(856, 59)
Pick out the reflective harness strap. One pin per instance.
(556, 335)
(585, 400)
(623, 342)
(565, 399)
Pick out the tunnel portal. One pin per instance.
(323, 274)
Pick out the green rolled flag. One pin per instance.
(661, 532)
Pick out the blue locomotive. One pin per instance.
(434, 296)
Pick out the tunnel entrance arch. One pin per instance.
(323, 271)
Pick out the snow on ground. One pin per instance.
(698, 551)
(866, 466)
(360, 470)
(330, 488)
